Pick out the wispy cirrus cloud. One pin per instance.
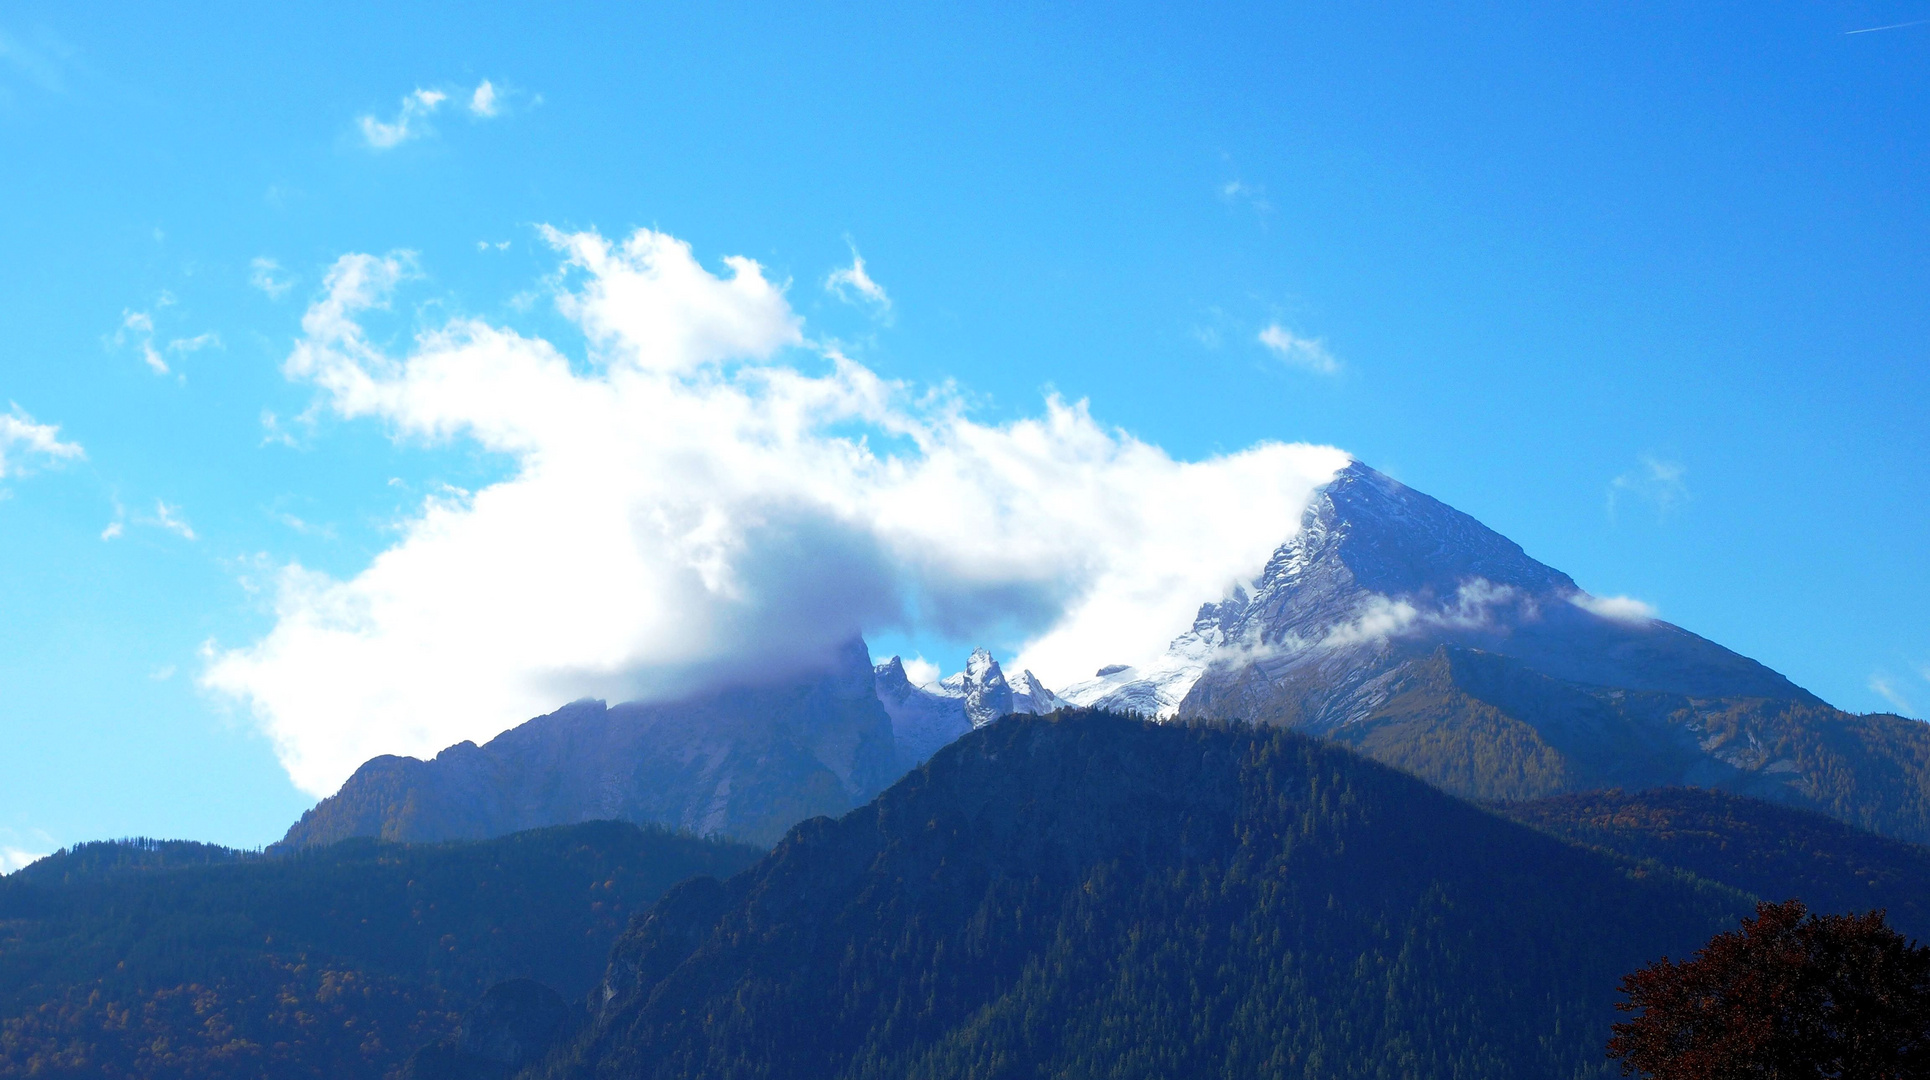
(25, 441)
(1661, 484)
(41, 59)
(1309, 354)
(266, 274)
(411, 120)
(137, 327)
(168, 516)
(854, 285)
(137, 330)
(1885, 687)
(1240, 192)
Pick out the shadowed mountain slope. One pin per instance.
(747, 762)
(1773, 852)
(1090, 895)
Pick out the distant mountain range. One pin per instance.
(1389, 621)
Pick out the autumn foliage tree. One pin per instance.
(1789, 996)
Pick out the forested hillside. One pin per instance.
(1774, 852)
(1485, 727)
(186, 960)
(1091, 895)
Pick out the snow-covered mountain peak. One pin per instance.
(1377, 571)
(980, 667)
(927, 717)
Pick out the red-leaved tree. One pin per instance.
(1789, 996)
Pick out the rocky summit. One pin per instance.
(1394, 623)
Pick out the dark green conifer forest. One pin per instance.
(1080, 895)
(143, 959)
(1088, 895)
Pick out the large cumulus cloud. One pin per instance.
(707, 496)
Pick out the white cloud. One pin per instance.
(1477, 604)
(1620, 608)
(1378, 619)
(921, 672)
(170, 518)
(1657, 482)
(114, 531)
(1308, 353)
(137, 329)
(209, 340)
(20, 848)
(854, 286)
(482, 102)
(408, 124)
(685, 508)
(139, 326)
(1886, 689)
(23, 439)
(265, 274)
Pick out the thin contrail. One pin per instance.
(1892, 26)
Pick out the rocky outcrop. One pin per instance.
(925, 718)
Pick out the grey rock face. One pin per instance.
(922, 721)
(748, 762)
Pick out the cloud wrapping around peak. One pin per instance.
(22, 439)
(1308, 353)
(704, 499)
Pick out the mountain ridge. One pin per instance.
(1088, 894)
(1388, 621)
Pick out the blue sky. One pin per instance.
(1643, 290)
